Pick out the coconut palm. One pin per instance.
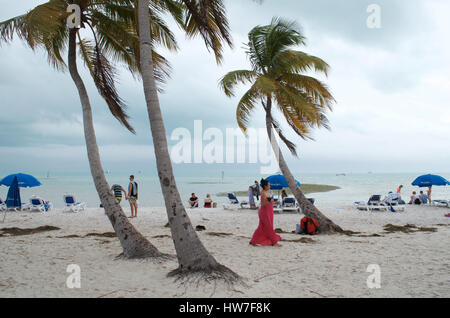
(114, 40)
(277, 80)
(206, 18)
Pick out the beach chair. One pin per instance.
(289, 205)
(37, 204)
(277, 206)
(373, 204)
(234, 203)
(441, 203)
(71, 205)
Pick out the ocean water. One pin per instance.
(353, 187)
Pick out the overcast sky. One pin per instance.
(391, 85)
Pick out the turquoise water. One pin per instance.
(354, 187)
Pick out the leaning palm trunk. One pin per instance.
(192, 255)
(134, 244)
(308, 209)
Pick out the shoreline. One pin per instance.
(306, 189)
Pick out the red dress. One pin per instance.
(264, 234)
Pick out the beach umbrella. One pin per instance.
(428, 180)
(13, 197)
(24, 180)
(278, 182)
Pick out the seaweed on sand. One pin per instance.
(15, 231)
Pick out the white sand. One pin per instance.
(412, 265)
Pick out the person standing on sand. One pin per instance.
(258, 193)
(399, 189)
(264, 234)
(133, 196)
(429, 194)
(251, 198)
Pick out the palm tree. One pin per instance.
(111, 23)
(276, 79)
(208, 19)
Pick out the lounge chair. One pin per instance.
(234, 203)
(37, 204)
(289, 205)
(277, 206)
(374, 203)
(71, 205)
(441, 203)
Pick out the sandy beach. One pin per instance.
(413, 264)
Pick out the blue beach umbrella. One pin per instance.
(13, 197)
(24, 180)
(428, 180)
(278, 182)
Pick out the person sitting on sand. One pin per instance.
(193, 201)
(208, 201)
(415, 199)
(423, 197)
(392, 197)
(264, 234)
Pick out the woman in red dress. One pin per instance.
(264, 234)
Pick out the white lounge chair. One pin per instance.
(37, 204)
(375, 204)
(289, 205)
(71, 205)
(441, 203)
(234, 203)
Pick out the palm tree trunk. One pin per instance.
(134, 244)
(192, 255)
(308, 209)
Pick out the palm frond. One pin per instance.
(290, 61)
(230, 80)
(245, 107)
(103, 74)
(208, 19)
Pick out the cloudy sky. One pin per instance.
(391, 85)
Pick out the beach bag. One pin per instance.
(309, 225)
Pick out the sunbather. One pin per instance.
(193, 201)
(392, 197)
(208, 201)
(415, 199)
(423, 197)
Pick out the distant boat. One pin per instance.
(340, 174)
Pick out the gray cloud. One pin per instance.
(390, 83)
